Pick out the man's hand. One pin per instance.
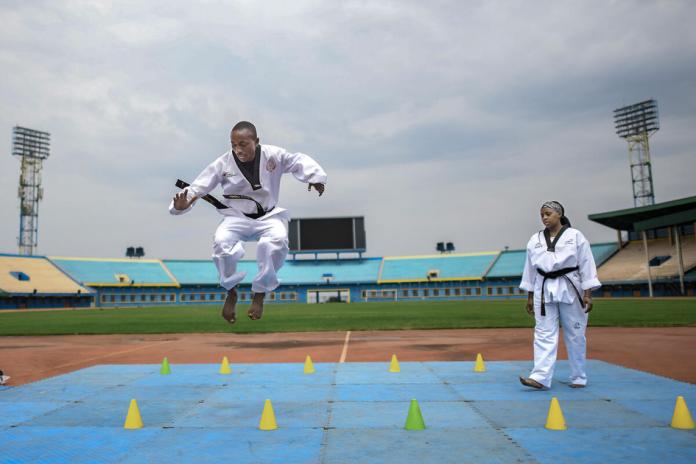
(587, 299)
(318, 187)
(181, 202)
(530, 303)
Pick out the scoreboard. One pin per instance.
(337, 234)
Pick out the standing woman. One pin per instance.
(559, 276)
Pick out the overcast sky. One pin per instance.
(437, 121)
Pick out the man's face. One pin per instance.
(244, 145)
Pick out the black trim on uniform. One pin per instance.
(551, 245)
(250, 169)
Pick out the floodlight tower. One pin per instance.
(636, 123)
(32, 147)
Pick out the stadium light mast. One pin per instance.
(636, 123)
(32, 147)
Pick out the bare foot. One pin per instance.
(229, 309)
(256, 309)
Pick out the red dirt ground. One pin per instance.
(663, 351)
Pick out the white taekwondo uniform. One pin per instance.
(271, 229)
(561, 301)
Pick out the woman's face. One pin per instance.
(550, 218)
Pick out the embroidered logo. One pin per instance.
(577, 325)
(229, 174)
(270, 165)
(538, 245)
(569, 241)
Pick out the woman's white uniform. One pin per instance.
(561, 301)
(271, 229)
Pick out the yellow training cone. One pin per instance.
(268, 420)
(133, 419)
(394, 366)
(682, 417)
(555, 420)
(480, 366)
(225, 366)
(308, 366)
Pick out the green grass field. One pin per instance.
(336, 316)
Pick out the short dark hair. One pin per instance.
(245, 125)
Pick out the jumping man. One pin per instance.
(250, 175)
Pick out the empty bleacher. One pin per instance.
(96, 272)
(436, 268)
(510, 263)
(35, 275)
(294, 272)
(629, 263)
(344, 271)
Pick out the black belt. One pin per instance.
(259, 209)
(556, 275)
(219, 205)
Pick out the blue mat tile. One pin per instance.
(193, 445)
(248, 414)
(39, 392)
(14, 413)
(113, 414)
(70, 444)
(511, 389)
(577, 414)
(604, 445)
(659, 410)
(479, 445)
(394, 414)
(274, 392)
(395, 392)
(160, 393)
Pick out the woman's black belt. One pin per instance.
(556, 275)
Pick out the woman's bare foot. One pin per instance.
(229, 309)
(256, 309)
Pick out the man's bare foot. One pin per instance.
(256, 309)
(229, 309)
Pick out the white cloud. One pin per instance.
(440, 121)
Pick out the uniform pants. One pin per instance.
(573, 319)
(272, 236)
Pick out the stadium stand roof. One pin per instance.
(446, 267)
(510, 263)
(669, 213)
(115, 272)
(20, 275)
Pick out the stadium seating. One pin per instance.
(628, 264)
(363, 270)
(35, 275)
(294, 272)
(510, 263)
(96, 272)
(436, 267)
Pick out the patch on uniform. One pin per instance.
(538, 245)
(569, 241)
(577, 325)
(270, 165)
(228, 174)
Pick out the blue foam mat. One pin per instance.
(352, 412)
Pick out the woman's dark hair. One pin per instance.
(564, 220)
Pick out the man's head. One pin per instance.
(244, 140)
